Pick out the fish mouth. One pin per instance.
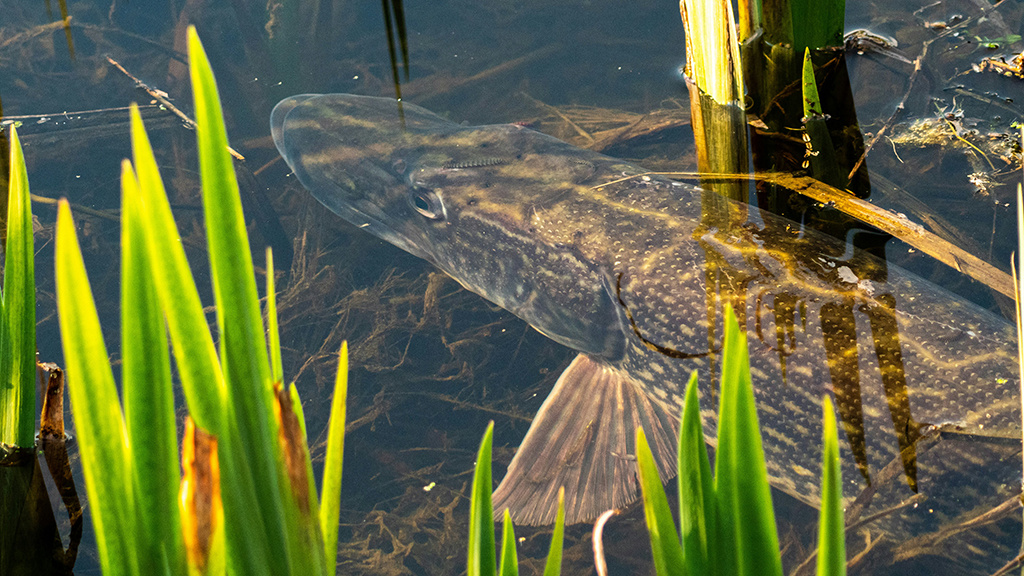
(340, 147)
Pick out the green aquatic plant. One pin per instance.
(481, 557)
(726, 519)
(18, 314)
(819, 154)
(248, 502)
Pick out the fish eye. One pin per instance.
(428, 203)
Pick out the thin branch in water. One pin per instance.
(161, 97)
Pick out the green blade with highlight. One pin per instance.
(98, 422)
(197, 363)
(480, 560)
(553, 565)
(273, 335)
(665, 546)
(831, 531)
(509, 559)
(242, 339)
(18, 329)
(330, 492)
(148, 396)
(697, 514)
(747, 533)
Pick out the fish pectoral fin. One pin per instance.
(583, 439)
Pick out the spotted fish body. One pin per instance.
(632, 270)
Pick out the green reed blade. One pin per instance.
(243, 351)
(820, 154)
(831, 532)
(242, 338)
(748, 542)
(812, 103)
(293, 392)
(777, 19)
(18, 323)
(509, 560)
(480, 560)
(273, 336)
(98, 423)
(197, 363)
(196, 359)
(330, 492)
(665, 547)
(553, 565)
(697, 515)
(148, 396)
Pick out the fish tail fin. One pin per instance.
(583, 439)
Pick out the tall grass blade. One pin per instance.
(273, 336)
(148, 396)
(234, 286)
(553, 565)
(665, 547)
(509, 560)
(18, 322)
(831, 533)
(746, 521)
(697, 515)
(480, 560)
(242, 340)
(198, 366)
(330, 492)
(100, 427)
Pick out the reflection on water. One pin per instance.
(432, 363)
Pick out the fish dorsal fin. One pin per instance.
(583, 439)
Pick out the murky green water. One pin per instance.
(431, 363)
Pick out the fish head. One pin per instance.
(465, 198)
(349, 151)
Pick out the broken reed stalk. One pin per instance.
(715, 82)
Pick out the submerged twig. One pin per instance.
(78, 208)
(42, 117)
(161, 97)
(1010, 565)
(918, 65)
(586, 135)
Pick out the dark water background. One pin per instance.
(431, 363)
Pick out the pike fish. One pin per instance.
(632, 270)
